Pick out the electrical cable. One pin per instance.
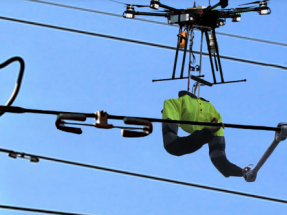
(146, 176)
(193, 61)
(154, 22)
(135, 41)
(38, 210)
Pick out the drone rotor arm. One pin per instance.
(168, 7)
(137, 5)
(252, 9)
(151, 14)
(255, 2)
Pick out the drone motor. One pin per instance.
(129, 13)
(220, 22)
(154, 4)
(263, 12)
(236, 18)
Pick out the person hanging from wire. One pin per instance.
(188, 107)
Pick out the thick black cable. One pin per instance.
(20, 110)
(134, 41)
(38, 210)
(154, 22)
(147, 176)
(19, 79)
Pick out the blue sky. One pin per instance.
(73, 72)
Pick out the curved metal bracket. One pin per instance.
(146, 130)
(60, 123)
(19, 80)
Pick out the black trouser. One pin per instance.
(185, 145)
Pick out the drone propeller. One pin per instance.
(136, 5)
(255, 2)
(228, 9)
(163, 11)
(247, 7)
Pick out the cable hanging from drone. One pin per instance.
(192, 59)
(19, 79)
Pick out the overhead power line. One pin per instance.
(134, 41)
(152, 21)
(24, 155)
(38, 210)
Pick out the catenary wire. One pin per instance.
(147, 176)
(38, 210)
(154, 22)
(134, 41)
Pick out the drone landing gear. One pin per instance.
(201, 81)
(212, 46)
(180, 37)
(250, 176)
(179, 41)
(213, 52)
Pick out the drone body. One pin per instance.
(206, 19)
(198, 15)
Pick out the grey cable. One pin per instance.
(34, 210)
(154, 22)
(148, 177)
(135, 41)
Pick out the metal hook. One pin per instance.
(19, 80)
(60, 122)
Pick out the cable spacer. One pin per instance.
(102, 120)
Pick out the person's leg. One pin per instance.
(178, 146)
(219, 160)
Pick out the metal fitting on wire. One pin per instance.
(15, 155)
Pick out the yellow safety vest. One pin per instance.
(191, 109)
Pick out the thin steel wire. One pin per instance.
(134, 41)
(150, 177)
(34, 210)
(154, 22)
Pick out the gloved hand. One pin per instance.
(215, 120)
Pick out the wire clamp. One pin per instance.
(15, 155)
(102, 120)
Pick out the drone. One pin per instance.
(205, 19)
